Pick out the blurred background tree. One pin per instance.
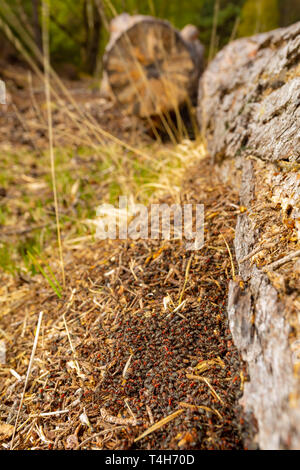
(289, 11)
(258, 16)
(78, 28)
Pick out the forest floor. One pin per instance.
(135, 351)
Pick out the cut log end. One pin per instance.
(150, 67)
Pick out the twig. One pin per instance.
(186, 278)
(124, 374)
(50, 413)
(151, 419)
(255, 251)
(116, 420)
(159, 424)
(282, 261)
(105, 431)
(203, 379)
(72, 347)
(200, 407)
(27, 375)
(176, 310)
(130, 410)
(231, 259)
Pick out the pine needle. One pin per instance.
(159, 424)
(200, 407)
(203, 379)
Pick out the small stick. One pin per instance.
(151, 419)
(176, 310)
(71, 345)
(127, 366)
(159, 424)
(282, 261)
(27, 375)
(186, 278)
(203, 379)
(105, 431)
(255, 251)
(116, 420)
(130, 410)
(231, 259)
(200, 407)
(50, 413)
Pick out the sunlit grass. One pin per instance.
(50, 206)
(85, 178)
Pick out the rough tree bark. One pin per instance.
(249, 112)
(249, 97)
(151, 68)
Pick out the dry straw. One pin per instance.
(27, 374)
(45, 24)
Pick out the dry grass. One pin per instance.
(85, 178)
(83, 355)
(63, 406)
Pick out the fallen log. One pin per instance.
(149, 66)
(249, 97)
(249, 112)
